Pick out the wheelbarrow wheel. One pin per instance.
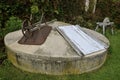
(26, 26)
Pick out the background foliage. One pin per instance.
(71, 11)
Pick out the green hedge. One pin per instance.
(71, 11)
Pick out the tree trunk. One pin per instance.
(87, 2)
(90, 5)
(94, 7)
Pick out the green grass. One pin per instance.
(109, 71)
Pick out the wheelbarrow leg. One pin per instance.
(112, 31)
(103, 29)
(96, 27)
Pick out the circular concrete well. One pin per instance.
(55, 56)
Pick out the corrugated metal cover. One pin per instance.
(79, 40)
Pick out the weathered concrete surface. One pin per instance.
(55, 56)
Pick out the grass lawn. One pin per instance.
(109, 71)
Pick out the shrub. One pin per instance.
(14, 23)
